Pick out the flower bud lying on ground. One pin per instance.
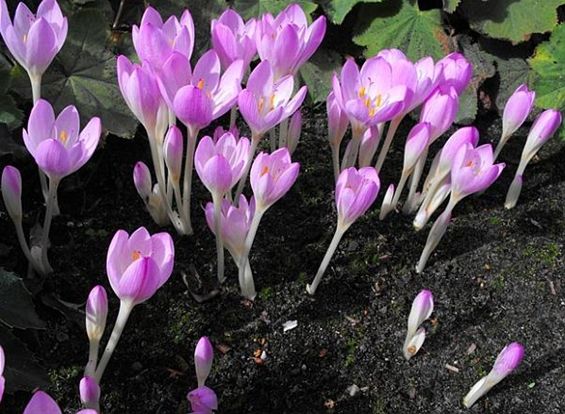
(422, 308)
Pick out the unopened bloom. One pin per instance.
(386, 206)
(422, 308)
(220, 164)
(2, 366)
(337, 120)
(173, 148)
(154, 41)
(287, 41)
(456, 71)
(96, 313)
(142, 180)
(233, 39)
(57, 145)
(369, 144)
(517, 109)
(139, 264)
(42, 403)
(355, 191)
(203, 400)
(544, 127)
(440, 110)
(507, 361)
(272, 175)
(294, 130)
(12, 192)
(89, 390)
(265, 102)
(203, 358)
(140, 90)
(208, 95)
(34, 39)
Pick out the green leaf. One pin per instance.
(317, 73)
(548, 72)
(510, 19)
(16, 306)
(10, 114)
(22, 371)
(84, 75)
(401, 24)
(338, 9)
(254, 8)
(513, 72)
(450, 5)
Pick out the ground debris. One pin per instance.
(289, 325)
(471, 348)
(452, 368)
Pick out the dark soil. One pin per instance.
(496, 278)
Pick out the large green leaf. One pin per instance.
(22, 371)
(511, 19)
(317, 73)
(10, 114)
(401, 24)
(548, 72)
(16, 306)
(84, 75)
(338, 9)
(513, 72)
(254, 8)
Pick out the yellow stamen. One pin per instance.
(264, 171)
(378, 100)
(200, 84)
(272, 102)
(362, 92)
(24, 38)
(136, 254)
(261, 104)
(63, 136)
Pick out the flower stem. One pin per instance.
(187, 178)
(233, 116)
(51, 197)
(248, 284)
(93, 346)
(392, 127)
(411, 201)
(352, 149)
(339, 232)
(254, 142)
(335, 159)
(500, 145)
(283, 132)
(217, 199)
(400, 187)
(516, 186)
(123, 315)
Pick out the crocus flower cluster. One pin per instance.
(203, 400)
(164, 88)
(507, 361)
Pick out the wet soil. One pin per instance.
(497, 277)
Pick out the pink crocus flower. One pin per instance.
(272, 175)
(208, 93)
(233, 39)
(139, 264)
(338, 122)
(203, 400)
(12, 192)
(355, 191)
(203, 358)
(220, 164)
(2, 366)
(456, 71)
(440, 110)
(155, 40)
(89, 391)
(42, 403)
(287, 41)
(34, 39)
(140, 90)
(57, 144)
(422, 308)
(507, 361)
(265, 102)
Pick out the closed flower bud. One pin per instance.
(96, 313)
(422, 308)
(294, 130)
(203, 358)
(12, 192)
(173, 150)
(89, 391)
(142, 180)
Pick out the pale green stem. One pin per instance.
(93, 346)
(339, 232)
(187, 179)
(352, 149)
(246, 282)
(335, 160)
(51, 197)
(123, 315)
(516, 186)
(411, 201)
(24, 245)
(217, 199)
(233, 116)
(253, 147)
(259, 211)
(392, 127)
(400, 187)
(283, 133)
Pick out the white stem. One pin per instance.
(392, 127)
(187, 179)
(253, 147)
(93, 346)
(436, 233)
(233, 116)
(501, 143)
(335, 160)
(246, 282)
(217, 199)
(244, 258)
(283, 133)
(339, 232)
(51, 196)
(123, 316)
(352, 149)
(477, 391)
(400, 187)
(516, 186)
(411, 201)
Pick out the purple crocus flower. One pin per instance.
(96, 313)
(337, 127)
(42, 403)
(203, 400)
(203, 358)
(154, 41)
(266, 102)
(355, 191)
(139, 264)
(34, 39)
(544, 127)
(456, 71)
(89, 391)
(287, 41)
(422, 308)
(233, 39)
(12, 192)
(2, 366)
(507, 361)
(173, 148)
(440, 110)
(57, 144)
